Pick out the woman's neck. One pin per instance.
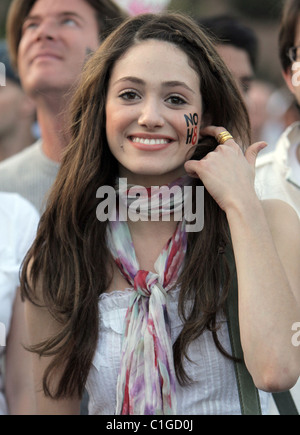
(149, 180)
(149, 239)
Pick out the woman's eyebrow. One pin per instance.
(176, 83)
(168, 84)
(130, 79)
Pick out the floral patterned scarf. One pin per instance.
(146, 381)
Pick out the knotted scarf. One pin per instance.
(146, 380)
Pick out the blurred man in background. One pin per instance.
(17, 111)
(237, 44)
(49, 43)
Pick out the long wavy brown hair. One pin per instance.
(68, 265)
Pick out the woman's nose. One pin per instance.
(151, 116)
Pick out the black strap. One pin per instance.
(248, 393)
(285, 403)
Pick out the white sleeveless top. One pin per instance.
(213, 390)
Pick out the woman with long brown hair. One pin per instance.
(128, 301)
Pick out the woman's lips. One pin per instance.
(150, 143)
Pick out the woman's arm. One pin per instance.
(266, 242)
(41, 326)
(267, 250)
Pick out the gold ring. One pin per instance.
(223, 137)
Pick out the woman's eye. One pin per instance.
(176, 100)
(129, 95)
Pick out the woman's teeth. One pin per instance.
(150, 141)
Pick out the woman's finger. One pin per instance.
(253, 151)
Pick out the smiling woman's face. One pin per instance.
(153, 112)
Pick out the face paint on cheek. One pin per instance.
(192, 121)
